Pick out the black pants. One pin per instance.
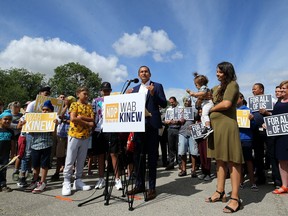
(163, 141)
(173, 137)
(146, 143)
(259, 146)
(270, 152)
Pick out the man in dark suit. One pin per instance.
(146, 143)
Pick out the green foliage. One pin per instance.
(22, 85)
(19, 85)
(69, 77)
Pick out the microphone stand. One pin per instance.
(128, 84)
(130, 198)
(141, 162)
(108, 191)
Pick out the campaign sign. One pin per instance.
(188, 113)
(276, 125)
(39, 122)
(178, 113)
(243, 118)
(124, 113)
(169, 115)
(196, 130)
(260, 102)
(58, 104)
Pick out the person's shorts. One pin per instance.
(105, 142)
(41, 158)
(187, 144)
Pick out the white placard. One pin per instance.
(124, 113)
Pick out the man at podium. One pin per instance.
(146, 143)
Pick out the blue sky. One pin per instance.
(173, 37)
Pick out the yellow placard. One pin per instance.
(58, 104)
(243, 118)
(39, 122)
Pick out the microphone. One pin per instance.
(136, 80)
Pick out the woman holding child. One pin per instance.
(224, 145)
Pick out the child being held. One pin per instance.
(203, 101)
(6, 136)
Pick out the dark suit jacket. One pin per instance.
(153, 103)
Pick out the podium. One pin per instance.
(121, 113)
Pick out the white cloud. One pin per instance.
(176, 92)
(147, 41)
(177, 55)
(40, 55)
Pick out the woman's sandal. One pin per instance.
(230, 210)
(222, 197)
(280, 190)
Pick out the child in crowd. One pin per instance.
(41, 146)
(203, 102)
(25, 167)
(101, 140)
(62, 137)
(81, 124)
(16, 116)
(129, 154)
(204, 160)
(6, 137)
(246, 142)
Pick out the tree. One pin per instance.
(19, 85)
(69, 77)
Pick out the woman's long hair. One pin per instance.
(229, 75)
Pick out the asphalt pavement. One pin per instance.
(175, 196)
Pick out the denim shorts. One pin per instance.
(187, 144)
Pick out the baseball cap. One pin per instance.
(105, 86)
(49, 105)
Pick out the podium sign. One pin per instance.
(124, 113)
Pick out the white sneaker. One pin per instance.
(118, 184)
(40, 187)
(100, 184)
(79, 185)
(207, 132)
(207, 178)
(201, 177)
(66, 189)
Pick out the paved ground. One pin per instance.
(176, 196)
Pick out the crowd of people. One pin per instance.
(79, 138)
